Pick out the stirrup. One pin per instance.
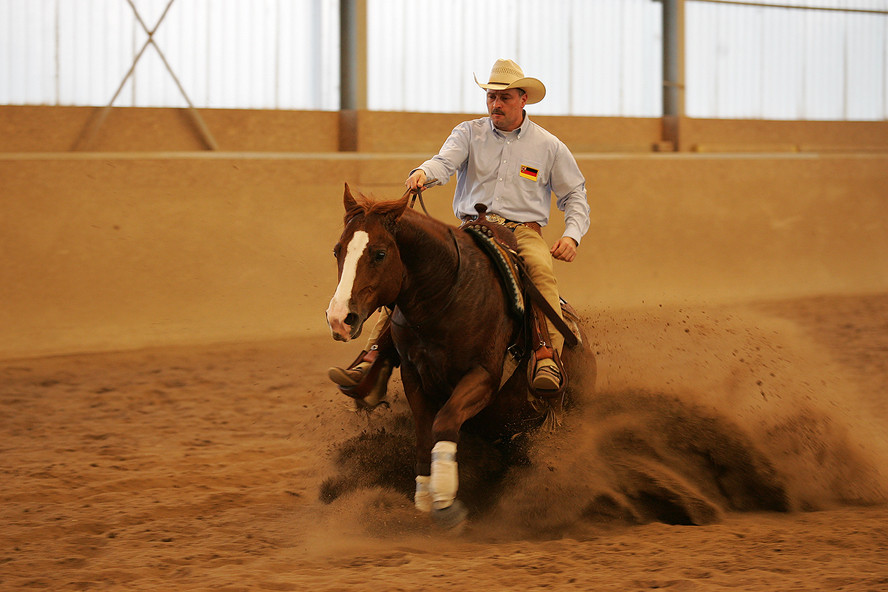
(546, 382)
(371, 391)
(366, 379)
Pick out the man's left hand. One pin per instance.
(565, 249)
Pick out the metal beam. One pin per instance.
(353, 54)
(673, 73)
(673, 58)
(797, 6)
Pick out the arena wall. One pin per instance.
(156, 245)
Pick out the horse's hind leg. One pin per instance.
(423, 416)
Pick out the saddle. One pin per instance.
(497, 239)
(500, 244)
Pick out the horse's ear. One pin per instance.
(348, 200)
(352, 206)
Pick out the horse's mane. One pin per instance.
(367, 204)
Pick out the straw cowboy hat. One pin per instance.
(506, 74)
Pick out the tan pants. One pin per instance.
(381, 323)
(533, 248)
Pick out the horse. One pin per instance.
(452, 332)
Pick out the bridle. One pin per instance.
(417, 193)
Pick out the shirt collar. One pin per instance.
(520, 129)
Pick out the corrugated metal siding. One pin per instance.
(787, 63)
(597, 57)
(226, 53)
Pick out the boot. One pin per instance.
(350, 377)
(547, 376)
(366, 379)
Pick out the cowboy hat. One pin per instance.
(506, 74)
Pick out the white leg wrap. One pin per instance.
(423, 498)
(445, 477)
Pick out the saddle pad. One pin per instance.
(505, 264)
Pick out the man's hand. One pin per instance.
(565, 249)
(416, 180)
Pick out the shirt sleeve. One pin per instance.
(569, 187)
(451, 157)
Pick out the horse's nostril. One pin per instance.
(351, 318)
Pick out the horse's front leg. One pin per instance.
(471, 395)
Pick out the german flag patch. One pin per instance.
(529, 172)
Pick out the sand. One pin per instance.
(727, 447)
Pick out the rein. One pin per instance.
(418, 193)
(453, 290)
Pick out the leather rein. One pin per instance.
(417, 193)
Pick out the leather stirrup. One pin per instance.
(384, 358)
(542, 349)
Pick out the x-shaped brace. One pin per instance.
(92, 128)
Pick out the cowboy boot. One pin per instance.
(366, 379)
(351, 376)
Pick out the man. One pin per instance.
(512, 165)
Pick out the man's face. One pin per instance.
(506, 108)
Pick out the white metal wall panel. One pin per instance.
(866, 54)
(596, 57)
(783, 63)
(226, 53)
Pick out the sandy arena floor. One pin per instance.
(202, 468)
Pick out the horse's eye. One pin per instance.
(336, 250)
(379, 255)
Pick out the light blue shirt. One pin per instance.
(513, 173)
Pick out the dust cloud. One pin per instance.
(696, 413)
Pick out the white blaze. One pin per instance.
(338, 309)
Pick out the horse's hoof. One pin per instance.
(368, 406)
(451, 517)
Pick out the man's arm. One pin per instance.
(570, 190)
(443, 165)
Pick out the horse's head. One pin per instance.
(370, 268)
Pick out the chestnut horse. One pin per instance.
(450, 327)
